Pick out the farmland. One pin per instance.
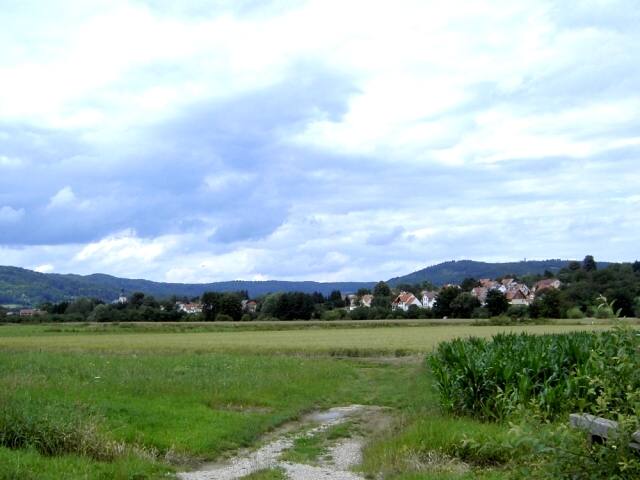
(341, 341)
(79, 401)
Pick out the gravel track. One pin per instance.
(342, 456)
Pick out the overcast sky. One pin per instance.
(325, 140)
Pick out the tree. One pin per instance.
(589, 264)
(288, 306)
(335, 299)
(136, 300)
(318, 298)
(442, 306)
(150, 301)
(636, 267)
(623, 299)
(573, 266)
(82, 306)
(496, 302)
(408, 287)
(463, 305)
(363, 291)
(231, 305)
(469, 284)
(549, 305)
(210, 305)
(101, 313)
(381, 303)
(381, 290)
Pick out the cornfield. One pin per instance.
(547, 374)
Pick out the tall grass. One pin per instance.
(52, 430)
(548, 375)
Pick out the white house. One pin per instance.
(190, 308)
(428, 299)
(404, 301)
(351, 301)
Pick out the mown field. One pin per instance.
(117, 404)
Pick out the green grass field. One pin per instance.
(81, 404)
(346, 341)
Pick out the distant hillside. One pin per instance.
(457, 271)
(25, 287)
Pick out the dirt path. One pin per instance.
(342, 455)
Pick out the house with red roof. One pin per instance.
(404, 300)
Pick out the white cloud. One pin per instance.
(63, 198)
(123, 248)
(483, 128)
(45, 268)
(10, 215)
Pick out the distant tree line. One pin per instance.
(585, 290)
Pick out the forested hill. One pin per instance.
(457, 271)
(25, 287)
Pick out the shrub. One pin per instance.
(222, 317)
(246, 317)
(359, 313)
(575, 313)
(336, 314)
(518, 312)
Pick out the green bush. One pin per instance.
(222, 317)
(518, 312)
(575, 313)
(335, 314)
(480, 313)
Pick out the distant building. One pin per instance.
(351, 302)
(488, 283)
(250, 306)
(517, 297)
(122, 299)
(190, 308)
(546, 284)
(366, 300)
(30, 312)
(404, 300)
(481, 293)
(428, 298)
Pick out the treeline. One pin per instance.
(585, 291)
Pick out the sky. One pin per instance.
(316, 140)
